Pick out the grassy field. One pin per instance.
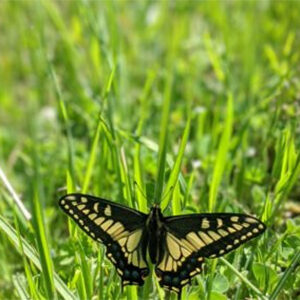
(196, 102)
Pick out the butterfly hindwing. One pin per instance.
(121, 229)
(178, 263)
(191, 238)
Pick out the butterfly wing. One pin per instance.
(191, 238)
(121, 229)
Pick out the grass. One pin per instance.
(193, 105)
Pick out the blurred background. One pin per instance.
(92, 96)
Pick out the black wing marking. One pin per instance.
(191, 238)
(121, 229)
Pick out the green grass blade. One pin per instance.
(28, 273)
(176, 168)
(163, 140)
(92, 157)
(214, 58)
(66, 122)
(222, 153)
(32, 255)
(42, 244)
(138, 178)
(244, 279)
(14, 195)
(19, 284)
(293, 265)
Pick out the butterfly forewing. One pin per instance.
(191, 238)
(121, 229)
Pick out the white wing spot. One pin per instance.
(206, 239)
(92, 216)
(251, 220)
(99, 221)
(81, 206)
(84, 200)
(96, 205)
(106, 224)
(220, 222)
(194, 239)
(231, 230)
(214, 235)
(237, 226)
(234, 219)
(223, 232)
(107, 210)
(205, 223)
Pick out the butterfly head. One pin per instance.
(156, 212)
(155, 217)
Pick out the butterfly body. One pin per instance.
(176, 245)
(156, 232)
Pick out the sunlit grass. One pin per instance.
(193, 105)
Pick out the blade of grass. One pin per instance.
(151, 145)
(213, 56)
(295, 261)
(138, 178)
(176, 203)
(32, 255)
(290, 171)
(243, 278)
(131, 290)
(176, 168)
(221, 158)
(81, 278)
(66, 123)
(20, 287)
(28, 273)
(163, 139)
(126, 178)
(38, 223)
(92, 157)
(14, 195)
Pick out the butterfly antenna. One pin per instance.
(140, 189)
(167, 193)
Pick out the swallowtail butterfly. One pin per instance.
(177, 245)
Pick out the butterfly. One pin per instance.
(176, 245)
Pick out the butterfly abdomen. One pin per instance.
(156, 234)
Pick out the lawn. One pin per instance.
(191, 104)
